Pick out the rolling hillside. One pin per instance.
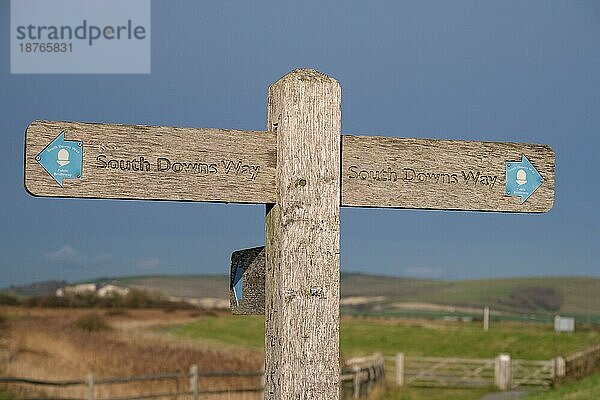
(197, 286)
(569, 295)
(539, 297)
(371, 293)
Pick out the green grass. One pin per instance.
(585, 389)
(409, 393)
(422, 314)
(226, 331)
(529, 341)
(5, 395)
(359, 336)
(362, 336)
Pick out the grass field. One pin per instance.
(431, 394)
(586, 389)
(360, 336)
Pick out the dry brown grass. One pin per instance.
(48, 345)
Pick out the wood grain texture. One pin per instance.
(253, 281)
(440, 174)
(204, 164)
(303, 240)
(239, 166)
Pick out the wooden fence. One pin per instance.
(534, 373)
(443, 372)
(359, 376)
(502, 371)
(582, 363)
(195, 390)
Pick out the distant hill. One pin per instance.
(36, 288)
(196, 286)
(375, 294)
(567, 295)
(549, 295)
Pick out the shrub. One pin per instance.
(8, 300)
(536, 298)
(45, 301)
(117, 312)
(134, 299)
(91, 323)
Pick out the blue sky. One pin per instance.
(480, 70)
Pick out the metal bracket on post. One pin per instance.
(247, 282)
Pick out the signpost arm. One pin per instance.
(303, 239)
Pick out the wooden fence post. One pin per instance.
(194, 381)
(302, 245)
(380, 367)
(90, 386)
(486, 318)
(400, 369)
(356, 382)
(502, 372)
(560, 369)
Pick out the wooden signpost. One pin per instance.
(217, 165)
(303, 169)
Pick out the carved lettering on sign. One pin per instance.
(414, 175)
(238, 167)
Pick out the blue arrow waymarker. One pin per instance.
(237, 284)
(522, 179)
(62, 159)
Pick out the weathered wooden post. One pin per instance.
(486, 318)
(194, 381)
(400, 369)
(502, 372)
(560, 368)
(303, 239)
(90, 386)
(379, 367)
(356, 381)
